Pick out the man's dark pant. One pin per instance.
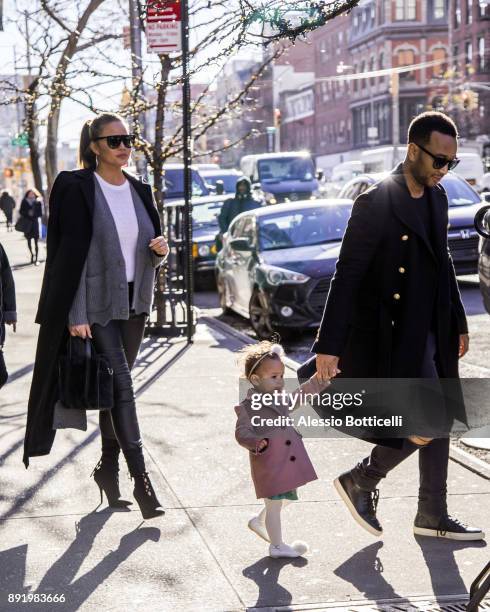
(433, 458)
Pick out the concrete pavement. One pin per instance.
(56, 539)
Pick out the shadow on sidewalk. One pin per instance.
(364, 571)
(265, 574)
(58, 578)
(439, 556)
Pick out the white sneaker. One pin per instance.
(283, 550)
(258, 528)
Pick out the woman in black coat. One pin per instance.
(31, 209)
(76, 201)
(7, 204)
(8, 314)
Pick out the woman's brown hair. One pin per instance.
(92, 128)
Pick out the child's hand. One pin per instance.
(262, 444)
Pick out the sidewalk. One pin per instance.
(54, 539)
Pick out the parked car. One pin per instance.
(464, 202)
(205, 226)
(229, 178)
(174, 182)
(286, 176)
(277, 262)
(482, 224)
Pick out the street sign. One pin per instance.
(21, 140)
(163, 27)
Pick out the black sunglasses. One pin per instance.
(114, 142)
(440, 162)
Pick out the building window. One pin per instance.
(468, 52)
(481, 54)
(372, 68)
(406, 57)
(355, 82)
(469, 9)
(457, 13)
(363, 70)
(406, 10)
(484, 10)
(439, 9)
(439, 55)
(381, 65)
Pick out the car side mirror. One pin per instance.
(319, 174)
(482, 222)
(241, 244)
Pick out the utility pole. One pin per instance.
(137, 74)
(186, 132)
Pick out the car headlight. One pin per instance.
(279, 276)
(203, 250)
(270, 198)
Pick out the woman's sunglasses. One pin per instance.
(114, 142)
(440, 162)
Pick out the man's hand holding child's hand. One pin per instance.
(262, 444)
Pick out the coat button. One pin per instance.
(396, 296)
(405, 237)
(293, 458)
(401, 270)
(288, 442)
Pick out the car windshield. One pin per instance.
(206, 214)
(301, 228)
(286, 169)
(229, 180)
(459, 193)
(174, 183)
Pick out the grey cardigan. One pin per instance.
(102, 293)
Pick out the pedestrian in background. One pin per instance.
(7, 204)
(103, 246)
(242, 202)
(8, 314)
(31, 209)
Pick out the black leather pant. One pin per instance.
(120, 341)
(433, 458)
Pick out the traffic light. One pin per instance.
(277, 117)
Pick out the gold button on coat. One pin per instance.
(405, 237)
(401, 270)
(396, 296)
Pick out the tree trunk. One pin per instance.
(33, 140)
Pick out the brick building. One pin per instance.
(469, 30)
(395, 33)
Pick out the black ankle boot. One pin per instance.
(146, 497)
(106, 474)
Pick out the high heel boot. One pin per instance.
(146, 497)
(106, 474)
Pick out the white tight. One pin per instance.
(271, 516)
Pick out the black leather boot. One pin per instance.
(361, 503)
(444, 526)
(106, 474)
(145, 496)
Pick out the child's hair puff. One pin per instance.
(252, 354)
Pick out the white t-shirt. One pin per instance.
(121, 204)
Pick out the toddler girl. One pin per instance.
(278, 459)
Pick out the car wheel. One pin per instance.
(259, 315)
(220, 286)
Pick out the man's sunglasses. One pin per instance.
(114, 142)
(440, 162)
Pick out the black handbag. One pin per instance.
(3, 370)
(86, 380)
(23, 225)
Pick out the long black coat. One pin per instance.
(36, 208)
(388, 284)
(69, 234)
